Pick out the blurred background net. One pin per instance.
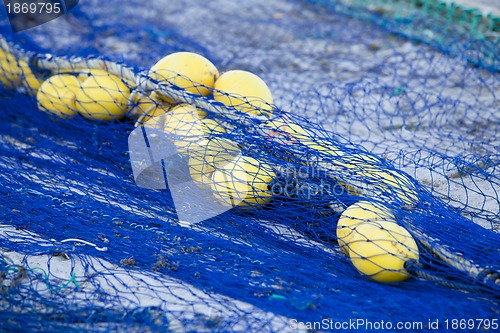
(403, 87)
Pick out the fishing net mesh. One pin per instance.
(134, 215)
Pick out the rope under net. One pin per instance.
(135, 198)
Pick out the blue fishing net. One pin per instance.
(394, 108)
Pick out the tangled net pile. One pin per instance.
(410, 122)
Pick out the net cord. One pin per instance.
(144, 83)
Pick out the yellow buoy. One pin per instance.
(186, 124)
(103, 97)
(200, 170)
(245, 91)
(10, 71)
(388, 180)
(183, 114)
(84, 74)
(143, 103)
(187, 137)
(360, 212)
(374, 177)
(187, 70)
(57, 95)
(209, 154)
(381, 249)
(28, 79)
(14, 73)
(243, 182)
(155, 117)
